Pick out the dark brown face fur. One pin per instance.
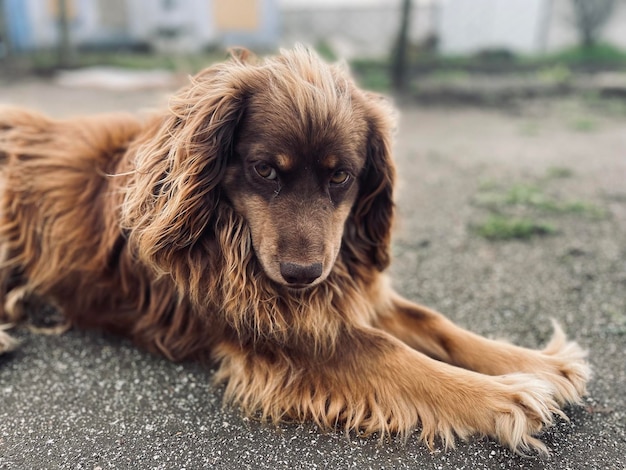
(294, 177)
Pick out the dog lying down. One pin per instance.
(249, 224)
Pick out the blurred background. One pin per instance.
(432, 49)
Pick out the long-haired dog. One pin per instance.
(250, 224)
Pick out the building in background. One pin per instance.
(351, 28)
(355, 28)
(520, 26)
(369, 27)
(172, 25)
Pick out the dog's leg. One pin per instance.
(14, 304)
(39, 316)
(561, 363)
(12, 312)
(371, 382)
(7, 343)
(8, 316)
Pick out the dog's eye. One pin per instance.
(339, 177)
(265, 171)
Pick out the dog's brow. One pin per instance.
(284, 162)
(347, 162)
(330, 161)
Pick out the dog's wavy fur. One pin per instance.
(144, 229)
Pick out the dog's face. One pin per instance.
(293, 146)
(294, 177)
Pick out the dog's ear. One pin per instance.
(368, 229)
(179, 162)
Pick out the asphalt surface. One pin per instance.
(86, 400)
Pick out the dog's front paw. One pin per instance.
(512, 409)
(565, 368)
(525, 408)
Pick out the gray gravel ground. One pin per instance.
(87, 400)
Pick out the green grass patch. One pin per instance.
(602, 53)
(583, 124)
(557, 74)
(524, 194)
(519, 211)
(582, 208)
(375, 79)
(533, 197)
(325, 50)
(448, 76)
(499, 227)
(47, 60)
(558, 172)
(516, 195)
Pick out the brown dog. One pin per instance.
(250, 224)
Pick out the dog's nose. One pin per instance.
(300, 274)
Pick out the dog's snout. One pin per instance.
(300, 274)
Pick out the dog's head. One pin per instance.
(293, 146)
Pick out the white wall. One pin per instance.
(363, 28)
(470, 25)
(194, 16)
(144, 17)
(353, 27)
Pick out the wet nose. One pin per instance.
(300, 274)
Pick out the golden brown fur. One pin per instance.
(250, 224)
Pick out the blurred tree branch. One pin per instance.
(590, 17)
(64, 44)
(5, 44)
(399, 55)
